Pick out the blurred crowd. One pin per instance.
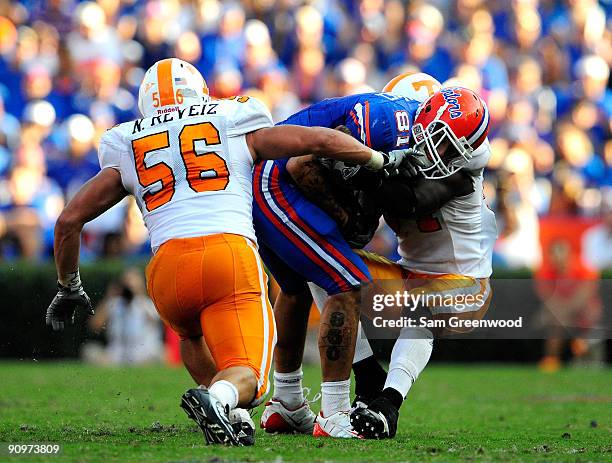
(125, 328)
(69, 70)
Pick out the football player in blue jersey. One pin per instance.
(301, 243)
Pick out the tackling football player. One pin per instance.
(188, 163)
(446, 235)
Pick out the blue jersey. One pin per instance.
(299, 242)
(381, 121)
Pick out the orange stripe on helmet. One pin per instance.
(164, 82)
(393, 82)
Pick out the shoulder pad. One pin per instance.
(246, 114)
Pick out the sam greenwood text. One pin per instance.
(452, 322)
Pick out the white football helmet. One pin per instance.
(414, 85)
(170, 84)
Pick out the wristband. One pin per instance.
(71, 280)
(376, 162)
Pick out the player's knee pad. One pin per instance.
(363, 350)
(319, 296)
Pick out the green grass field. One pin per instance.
(454, 413)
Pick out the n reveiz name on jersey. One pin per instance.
(170, 115)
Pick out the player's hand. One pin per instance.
(412, 163)
(64, 305)
(393, 160)
(364, 222)
(360, 230)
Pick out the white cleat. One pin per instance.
(243, 425)
(240, 415)
(277, 418)
(337, 425)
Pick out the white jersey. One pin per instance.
(190, 170)
(459, 237)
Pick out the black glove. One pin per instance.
(412, 163)
(360, 232)
(64, 305)
(364, 221)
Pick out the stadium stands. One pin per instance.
(69, 70)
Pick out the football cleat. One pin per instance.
(377, 421)
(361, 401)
(336, 425)
(277, 418)
(210, 415)
(243, 425)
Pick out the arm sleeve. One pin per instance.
(480, 157)
(421, 197)
(247, 114)
(110, 150)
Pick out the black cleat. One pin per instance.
(210, 416)
(362, 401)
(377, 421)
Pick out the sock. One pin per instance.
(335, 397)
(408, 358)
(369, 377)
(394, 396)
(226, 392)
(288, 388)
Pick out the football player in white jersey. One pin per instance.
(446, 235)
(188, 163)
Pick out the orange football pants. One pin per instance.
(397, 278)
(216, 286)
